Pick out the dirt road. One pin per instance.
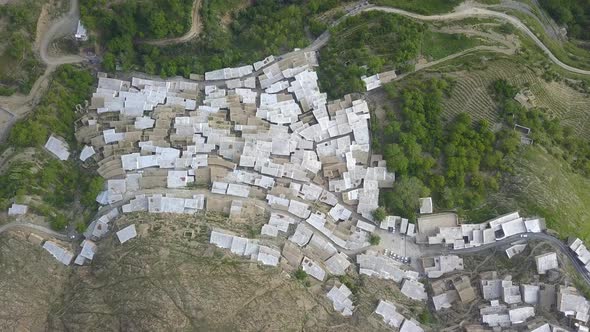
(20, 105)
(194, 31)
(468, 11)
(34, 228)
(62, 27)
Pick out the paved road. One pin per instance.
(34, 228)
(532, 236)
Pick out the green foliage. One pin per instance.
(426, 7)
(458, 162)
(374, 240)
(404, 199)
(6, 91)
(379, 214)
(59, 222)
(504, 90)
(93, 188)
(437, 45)
(367, 44)
(19, 65)
(573, 13)
(350, 283)
(55, 113)
(425, 317)
(300, 274)
(544, 130)
(81, 227)
(266, 27)
(60, 184)
(138, 19)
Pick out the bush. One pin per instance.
(300, 274)
(350, 283)
(379, 214)
(59, 222)
(404, 199)
(374, 240)
(81, 227)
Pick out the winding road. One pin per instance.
(64, 26)
(194, 31)
(528, 237)
(34, 228)
(467, 12)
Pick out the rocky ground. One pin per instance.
(170, 280)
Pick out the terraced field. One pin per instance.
(471, 94)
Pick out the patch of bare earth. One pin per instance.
(228, 17)
(166, 280)
(31, 281)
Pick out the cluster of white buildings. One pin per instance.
(582, 253)
(473, 235)
(394, 319)
(246, 247)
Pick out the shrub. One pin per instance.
(374, 240)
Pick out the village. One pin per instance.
(263, 140)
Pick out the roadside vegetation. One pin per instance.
(367, 44)
(437, 45)
(569, 51)
(19, 66)
(122, 21)
(374, 42)
(57, 190)
(425, 7)
(267, 27)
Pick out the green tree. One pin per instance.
(379, 214)
(374, 239)
(59, 222)
(404, 199)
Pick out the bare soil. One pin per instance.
(168, 280)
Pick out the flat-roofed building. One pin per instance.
(546, 262)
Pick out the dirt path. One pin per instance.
(20, 105)
(62, 27)
(194, 31)
(34, 228)
(466, 11)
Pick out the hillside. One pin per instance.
(167, 281)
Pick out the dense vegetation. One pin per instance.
(457, 162)
(426, 7)
(19, 66)
(58, 184)
(56, 111)
(123, 21)
(545, 131)
(365, 45)
(267, 27)
(573, 13)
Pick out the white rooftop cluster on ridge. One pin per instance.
(391, 317)
(245, 247)
(474, 235)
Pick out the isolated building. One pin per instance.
(546, 262)
(414, 290)
(127, 233)
(388, 311)
(340, 297)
